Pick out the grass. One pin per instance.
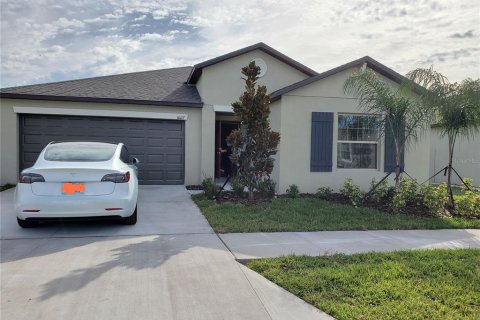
(6, 187)
(310, 214)
(436, 284)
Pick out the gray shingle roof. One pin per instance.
(157, 87)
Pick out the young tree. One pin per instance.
(397, 109)
(457, 107)
(254, 143)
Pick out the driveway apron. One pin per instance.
(171, 265)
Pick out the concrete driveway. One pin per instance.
(169, 266)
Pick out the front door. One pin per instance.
(223, 167)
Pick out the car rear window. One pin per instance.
(80, 152)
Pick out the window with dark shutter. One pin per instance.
(321, 142)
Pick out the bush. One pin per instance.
(324, 192)
(468, 186)
(381, 192)
(238, 188)
(406, 194)
(434, 198)
(468, 204)
(210, 189)
(293, 191)
(352, 192)
(267, 188)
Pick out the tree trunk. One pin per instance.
(451, 145)
(250, 194)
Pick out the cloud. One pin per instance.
(169, 36)
(47, 40)
(467, 34)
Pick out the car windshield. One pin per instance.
(80, 151)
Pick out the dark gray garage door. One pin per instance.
(158, 144)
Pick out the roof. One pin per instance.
(371, 63)
(157, 87)
(197, 69)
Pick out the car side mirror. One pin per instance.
(135, 160)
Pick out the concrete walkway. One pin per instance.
(169, 266)
(275, 244)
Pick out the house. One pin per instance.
(176, 120)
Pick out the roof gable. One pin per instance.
(197, 69)
(371, 63)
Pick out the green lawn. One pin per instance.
(437, 284)
(310, 214)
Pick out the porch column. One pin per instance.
(208, 142)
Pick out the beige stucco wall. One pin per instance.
(275, 124)
(296, 109)
(466, 157)
(222, 84)
(208, 142)
(9, 157)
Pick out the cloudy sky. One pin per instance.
(51, 40)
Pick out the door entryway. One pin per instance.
(223, 128)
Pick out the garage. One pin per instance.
(158, 144)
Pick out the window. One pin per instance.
(80, 151)
(357, 141)
(124, 155)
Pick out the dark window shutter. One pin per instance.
(390, 150)
(322, 142)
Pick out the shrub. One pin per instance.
(468, 184)
(210, 189)
(389, 195)
(293, 191)
(406, 194)
(381, 192)
(267, 187)
(324, 192)
(469, 204)
(434, 198)
(352, 192)
(238, 188)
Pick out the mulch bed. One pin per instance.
(194, 187)
(382, 205)
(333, 197)
(228, 196)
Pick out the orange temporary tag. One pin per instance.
(70, 188)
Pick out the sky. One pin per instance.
(51, 40)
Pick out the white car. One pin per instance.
(78, 180)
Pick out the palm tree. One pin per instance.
(400, 112)
(457, 107)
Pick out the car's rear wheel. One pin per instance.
(26, 223)
(132, 219)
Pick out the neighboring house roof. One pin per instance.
(371, 63)
(197, 69)
(157, 87)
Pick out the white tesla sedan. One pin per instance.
(78, 180)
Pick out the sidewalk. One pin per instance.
(275, 244)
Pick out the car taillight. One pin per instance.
(117, 177)
(31, 178)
